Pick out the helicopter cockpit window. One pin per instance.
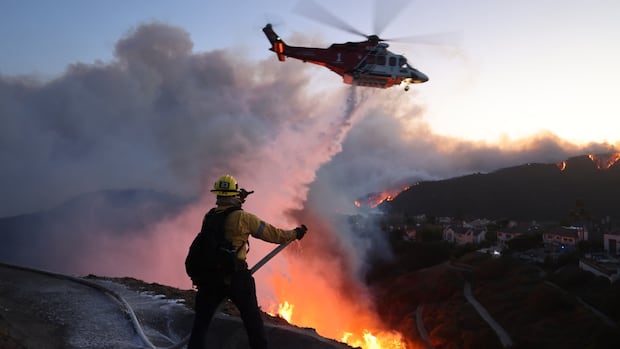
(392, 61)
(402, 62)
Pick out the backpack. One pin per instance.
(210, 253)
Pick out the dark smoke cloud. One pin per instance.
(159, 117)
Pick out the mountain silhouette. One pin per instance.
(534, 191)
(57, 239)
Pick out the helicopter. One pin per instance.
(364, 63)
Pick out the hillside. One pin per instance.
(535, 312)
(527, 192)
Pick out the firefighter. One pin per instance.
(239, 285)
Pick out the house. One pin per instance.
(464, 235)
(582, 231)
(565, 237)
(513, 230)
(410, 234)
(611, 242)
(510, 232)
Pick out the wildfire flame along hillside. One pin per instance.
(375, 199)
(366, 339)
(604, 161)
(327, 297)
(561, 165)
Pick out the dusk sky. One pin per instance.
(521, 67)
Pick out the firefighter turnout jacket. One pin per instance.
(240, 225)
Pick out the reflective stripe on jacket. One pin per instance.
(241, 224)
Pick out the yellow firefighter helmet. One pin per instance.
(226, 186)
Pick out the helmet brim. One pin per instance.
(226, 192)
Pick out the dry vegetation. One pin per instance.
(518, 295)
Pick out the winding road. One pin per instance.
(503, 336)
(501, 333)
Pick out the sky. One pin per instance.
(168, 96)
(520, 67)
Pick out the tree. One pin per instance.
(525, 242)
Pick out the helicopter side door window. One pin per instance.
(392, 61)
(381, 60)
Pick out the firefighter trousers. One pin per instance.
(242, 292)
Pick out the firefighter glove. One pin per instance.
(301, 231)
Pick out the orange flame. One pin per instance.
(325, 292)
(366, 340)
(382, 340)
(376, 199)
(561, 165)
(604, 161)
(285, 311)
(320, 303)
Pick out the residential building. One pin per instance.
(515, 229)
(464, 235)
(565, 237)
(611, 242)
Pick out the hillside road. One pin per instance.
(504, 337)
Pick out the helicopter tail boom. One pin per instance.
(277, 44)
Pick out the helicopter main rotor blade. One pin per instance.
(386, 11)
(436, 39)
(314, 11)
